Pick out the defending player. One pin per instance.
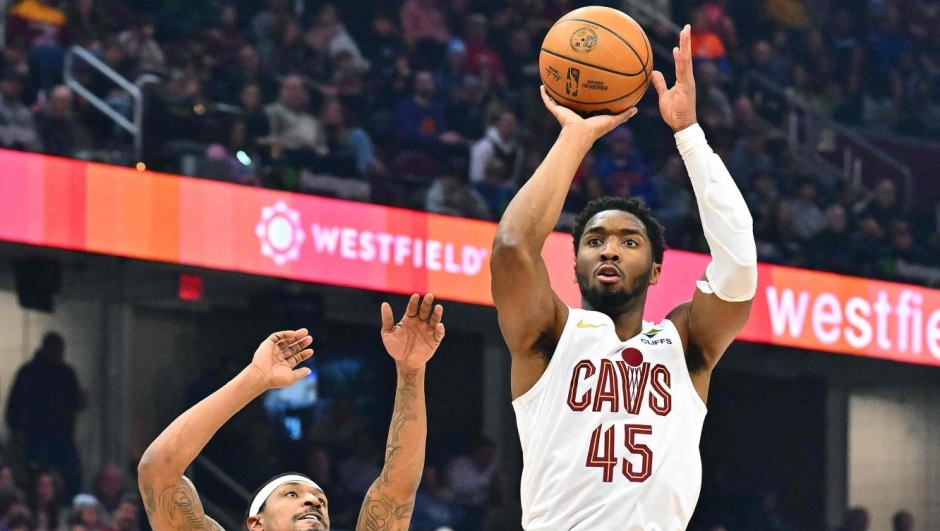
(293, 502)
(610, 408)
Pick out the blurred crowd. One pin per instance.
(433, 104)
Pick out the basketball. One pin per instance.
(596, 60)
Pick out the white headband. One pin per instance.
(268, 489)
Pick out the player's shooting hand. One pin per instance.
(677, 104)
(414, 339)
(596, 126)
(278, 356)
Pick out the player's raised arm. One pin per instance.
(720, 306)
(170, 499)
(390, 501)
(531, 316)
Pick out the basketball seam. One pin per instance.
(585, 63)
(612, 32)
(646, 84)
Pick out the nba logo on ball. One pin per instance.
(583, 40)
(574, 77)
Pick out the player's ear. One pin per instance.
(255, 523)
(654, 275)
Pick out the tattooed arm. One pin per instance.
(412, 342)
(170, 499)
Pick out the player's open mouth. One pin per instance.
(608, 274)
(311, 516)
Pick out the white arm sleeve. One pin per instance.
(726, 220)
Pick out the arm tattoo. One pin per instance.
(380, 514)
(177, 508)
(402, 414)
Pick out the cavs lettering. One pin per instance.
(626, 418)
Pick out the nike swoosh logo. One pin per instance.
(582, 324)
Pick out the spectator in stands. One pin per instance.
(22, 522)
(766, 62)
(502, 142)
(43, 407)
(435, 507)
(7, 480)
(233, 160)
(141, 47)
(424, 29)
(806, 202)
(45, 504)
(247, 71)
(351, 144)
(56, 124)
(11, 506)
(39, 25)
(749, 157)
(450, 194)
(871, 251)
(712, 107)
(256, 121)
(420, 121)
(832, 247)
(359, 470)
(127, 515)
(482, 61)
(89, 512)
(297, 133)
(87, 24)
(883, 202)
(902, 521)
(451, 78)
(469, 477)
(109, 486)
(337, 38)
(225, 39)
(17, 127)
(382, 46)
(343, 507)
(622, 170)
(676, 204)
(856, 519)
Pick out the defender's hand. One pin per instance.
(416, 337)
(279, 354)
(677, 105)
(596, 126)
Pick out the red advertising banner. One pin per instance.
(96, 208)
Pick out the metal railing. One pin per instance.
(204, 465)
(819, 137)
(135, 127)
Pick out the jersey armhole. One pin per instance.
(687, 378)
(553, 362)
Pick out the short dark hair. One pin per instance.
(634, 205)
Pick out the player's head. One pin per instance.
(289, 502)
(618, 247)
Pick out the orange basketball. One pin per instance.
(596, 60)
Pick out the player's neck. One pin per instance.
(628, 320)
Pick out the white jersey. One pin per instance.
(610, 432)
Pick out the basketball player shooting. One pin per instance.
(609, 407)
(293, 502)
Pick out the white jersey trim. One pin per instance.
(688, 376)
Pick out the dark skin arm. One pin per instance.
(170, 499)
(706, 324)
(531, 315)
(389, 503)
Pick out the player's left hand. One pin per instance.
(416, 337)
(677, 104)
